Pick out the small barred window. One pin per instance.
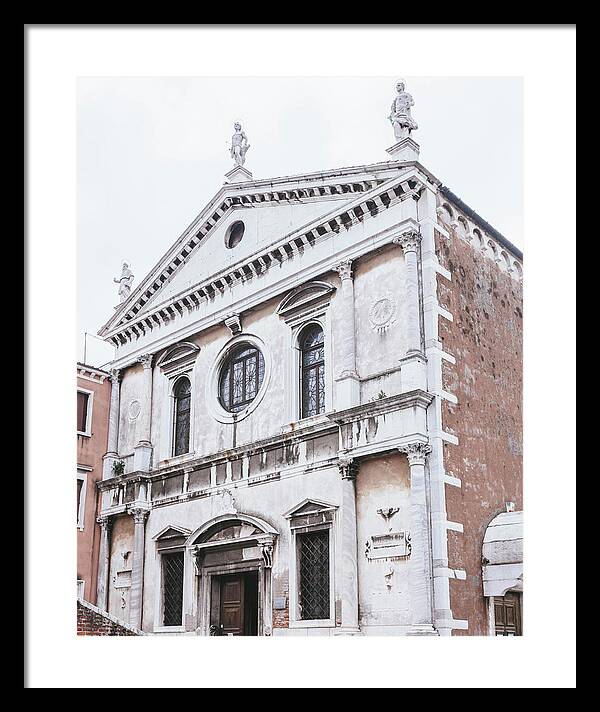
(172, 572)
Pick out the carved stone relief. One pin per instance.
(382, 314)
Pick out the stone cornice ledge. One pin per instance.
(411, 399)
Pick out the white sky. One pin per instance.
(151, 152)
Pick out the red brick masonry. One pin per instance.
(92, 621)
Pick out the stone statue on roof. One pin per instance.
(239, 145)
(400, 117)
(124, 281)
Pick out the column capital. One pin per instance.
(105, 521)
(344, 269)
(115, 376)
(409, 240)
(416, 452)
(146, 360)
(348, 468)
(139, 515)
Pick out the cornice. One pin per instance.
(411, 399)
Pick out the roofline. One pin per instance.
(469, 212)
(87, 367)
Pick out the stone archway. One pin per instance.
(233, 559)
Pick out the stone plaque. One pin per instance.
(392, 545)
(279, 603)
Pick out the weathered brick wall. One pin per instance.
(486, 338)
(90, 621)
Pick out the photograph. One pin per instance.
(309, 417)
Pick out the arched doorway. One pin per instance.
(233, 556)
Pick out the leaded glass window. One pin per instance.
(182, 393)
(312, 377)
(313, 562)
(241, 378)
(172, 572)
(82, 411)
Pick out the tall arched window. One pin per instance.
(181, 416)
(312, 370)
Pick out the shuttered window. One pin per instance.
(82, 411)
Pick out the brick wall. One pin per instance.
(486, 338)
(92, 621)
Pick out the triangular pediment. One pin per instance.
(309, 506)
(171, 532)
(270, 210)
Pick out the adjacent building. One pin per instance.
(93, 397)
(315, 414)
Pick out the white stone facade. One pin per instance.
(350, 250)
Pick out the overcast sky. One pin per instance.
(153, 151)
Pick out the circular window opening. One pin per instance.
(241, 378)
(234, 234)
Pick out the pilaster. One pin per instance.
(348, 469)
(348, 383)
(139, 515)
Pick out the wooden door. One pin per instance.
(232, 605)
(507, 614)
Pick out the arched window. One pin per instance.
(312, 370)
(241, 378)
(181, 415)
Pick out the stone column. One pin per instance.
(348, 390)
(143, 450)
(137, 567)
(348, 470)
(419, 572)
(113, 425)
(103, 562)
(410, 241)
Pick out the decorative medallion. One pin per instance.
(135, 408)
(382, 314)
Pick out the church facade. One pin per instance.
(316, 411)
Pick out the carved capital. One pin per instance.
(344, 269)
(105, 522)
(146, 360)
(139, 515)
(409, 241)
(115, 376)
(416, 452)
(348, 468)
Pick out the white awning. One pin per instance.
(503, 554)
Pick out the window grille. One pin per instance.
(241, 378)
(182, 393)
(313, 550)
(312, 345)
(172, 588)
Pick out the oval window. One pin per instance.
(234, 234)
(241, 377)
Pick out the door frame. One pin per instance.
(208, 572)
